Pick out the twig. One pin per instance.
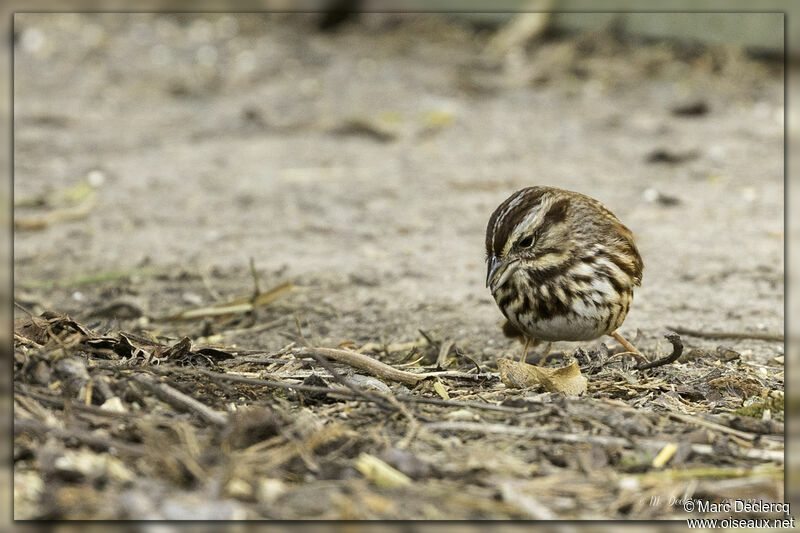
(27, 425)
(677, 350)
(636, 355)
(700, 449)
(256, 284)
(56, 339)
(23, 308)
(180, 400)
(470, 359)
(340, 393)
(254, 329)
(237, 306)
(517, 33)
(379, 399)
(462, 375)
(362, 362)
(444, 350)
(428, 338)
(775, 337)
(265, 359)
(711, 472)
(382, 400)
(65, 214)
(742, 453)
(413, 425)
(26, 341)
(529, 505)
(461, 404)
(380, 369)
(472, 427)
(411, 363)
(300, 338)
(391, 348)
(61, 403)
(164, 370)
(207, 284)
(712, 425)
(210, 311)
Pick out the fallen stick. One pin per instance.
(382, 370)
(677, 350)
(444, 350)
(260, 359)
(66, 214)
(373, 396)
(345, 393)
(238, 306)
(695, 420)
(235, 378)
(700, 449)
(386, 401)
(448, 374)
(729, 334)
(341, 393)
(26, 341)
(61, 403)
(180, 400)
(461, 404)
(474, 427)
(27, 425)
(362, 362)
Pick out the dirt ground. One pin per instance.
(156, 155)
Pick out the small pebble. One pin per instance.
(654, 196)
(270, 489)
(114, 405)
(239, 489)
(463, 414)
(368, 382)
(192, 298)
(96, 178)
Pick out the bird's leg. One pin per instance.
(525, 349)
(545, 352)
(533, 342)
(625, 344)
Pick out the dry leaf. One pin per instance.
(380, 473)
(33, 329)
(237, 306)
(440, 390)
(665, 455)
(568, 379)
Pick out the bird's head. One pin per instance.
(531, 229)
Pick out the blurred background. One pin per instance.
(360, 156)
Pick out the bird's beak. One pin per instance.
(493, 264)
(499, 271)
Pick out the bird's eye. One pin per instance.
(527, 242)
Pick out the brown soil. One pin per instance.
(155, 155)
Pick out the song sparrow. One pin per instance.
(561, 266)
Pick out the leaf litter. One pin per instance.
(260, 432)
